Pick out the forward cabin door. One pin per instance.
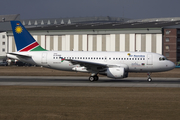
(44, 58)
(149, 59)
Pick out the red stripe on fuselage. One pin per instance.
(33, 45)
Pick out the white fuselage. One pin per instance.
(131, 61)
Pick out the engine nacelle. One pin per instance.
(118, 72)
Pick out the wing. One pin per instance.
(95, 66)
(92, 66)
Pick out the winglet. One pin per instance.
(23, 39)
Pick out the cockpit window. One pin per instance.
(162, 58)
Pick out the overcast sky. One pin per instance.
(135, 9)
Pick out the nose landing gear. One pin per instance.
(149, 77)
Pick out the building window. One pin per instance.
(178, 32)
(3, 50)
(178, 39)
(167, 47)
(3, 36)
(168, 31)
(3, 43)
(178, 47)
(167, 39)
(167, 54)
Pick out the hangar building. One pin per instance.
(158, 35)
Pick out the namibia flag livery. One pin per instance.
(24, 40)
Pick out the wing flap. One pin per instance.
(88, 65)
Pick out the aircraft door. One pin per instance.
(44, 58)
(149, 59)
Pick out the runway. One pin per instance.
(83, 81)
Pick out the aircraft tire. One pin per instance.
(91, 78)
(149, 79)
(96, 78)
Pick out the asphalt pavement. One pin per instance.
(83, 81)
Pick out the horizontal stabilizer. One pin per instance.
(20, 55)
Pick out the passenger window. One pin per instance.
(124, 58)
(141, 58)
(129, 58)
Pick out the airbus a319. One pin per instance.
(112, 64)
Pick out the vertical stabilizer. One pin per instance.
(23, 39)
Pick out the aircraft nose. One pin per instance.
(170, 65)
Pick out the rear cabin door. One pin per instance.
(149, 59)
(44, 58)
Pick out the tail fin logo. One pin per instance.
(18, 29)
(23, 39)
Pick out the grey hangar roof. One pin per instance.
(79, 23)
(100, 23)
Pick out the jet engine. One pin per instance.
(116, 72)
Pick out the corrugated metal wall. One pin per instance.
(105, 42)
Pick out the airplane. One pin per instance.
(115, 65)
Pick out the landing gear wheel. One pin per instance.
(149, 79)
(91, 78)
(96, 78)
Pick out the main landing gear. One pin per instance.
(149, 77)
(93, 78)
